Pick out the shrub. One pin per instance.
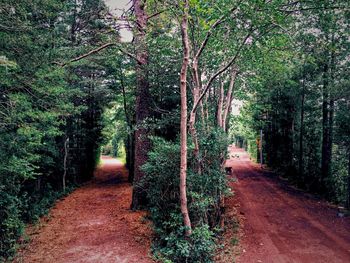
(204, 192)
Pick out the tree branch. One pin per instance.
(86, 54)
(221, 70)
(312, 8)
(219, 21)
(156, 14)
(130, 55)
(96, 51)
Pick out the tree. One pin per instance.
(44, 102)
(183, 128)
(142, 110)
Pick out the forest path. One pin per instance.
(281, 224)
(93, 224)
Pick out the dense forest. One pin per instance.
(271, 76)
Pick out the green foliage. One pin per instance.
(204, 191)
(199, 247)
(299, 97)
(11, 225)
(280, 59)
(43, 104)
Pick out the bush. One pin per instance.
(204, 192)
(11, 225)
(199, 247)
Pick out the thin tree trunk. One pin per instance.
(194, 136)
(128, 122)
(330, 132)
(325, 127)
(74, 25)
(328, 116)
(222, 120)
(130, 136)
(331, 111)
(229, 99)
(142, 142)
(301, 134)
(220, 105)
(348, 197)
(192, 120)
(183, 125)
(65, 164)
(206, 107)
(193, 131)
(201, 103)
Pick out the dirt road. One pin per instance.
(93, 224)
(282, 224)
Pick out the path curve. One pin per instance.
(282, 224)
(93, 224)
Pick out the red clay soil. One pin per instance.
(281, 224)
(93, 224)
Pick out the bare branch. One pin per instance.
(313, 8)
(204, 43)
(219, 21)
(220, 71)
(96, 51)
(86, 54)
(130, 55)
(156, 14)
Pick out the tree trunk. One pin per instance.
(229, 99)
(206, 111)
(330, 133)
(130, 137)
(348, 196)
(194, 136)
(130, 150)
(328, 116)
(325, 127)
(66, 142)
(142, 142)
(301, 133)
(192, 121)
(220, 105)
(331, 111)
(183, 125)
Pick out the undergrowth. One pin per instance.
(21, 210)
(204, 192)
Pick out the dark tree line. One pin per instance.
(51, 116)
(301, 102)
